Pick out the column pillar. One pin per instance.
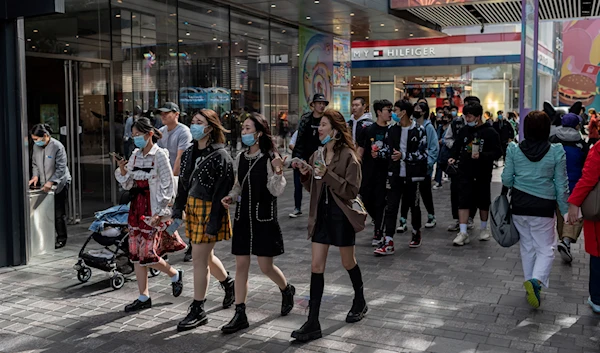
(528, 77)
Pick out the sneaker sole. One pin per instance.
(414, 246)
(564, 254)
(188, 328)
(383, 253)
(307, 337)
(531, 297)
(467, 241)
(235, 329)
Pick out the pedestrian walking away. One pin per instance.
(536, 171)
(256, 231)
(332, 176)
(206, 178)
(50, 172)
(149, 178)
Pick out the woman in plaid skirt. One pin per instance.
(256, 231)
(149, 178)
(206, 177)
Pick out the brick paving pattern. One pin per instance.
(437, 298)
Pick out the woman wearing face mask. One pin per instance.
(256, 230)
(49, 169)
(332, 220)
(206, 178)
(149, 178)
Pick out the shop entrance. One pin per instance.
(73, 98)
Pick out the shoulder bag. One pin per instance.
(590, 208)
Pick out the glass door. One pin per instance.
(87, 137)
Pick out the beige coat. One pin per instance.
(343, 178)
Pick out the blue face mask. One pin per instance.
(395, 117)
(472, 123)
(140, 142)
(197, 131)
(326, 140)
(248, 139)
(500, 117)
(40, 143)
(454, 113)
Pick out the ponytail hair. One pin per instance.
(143, 125)
(40, 130)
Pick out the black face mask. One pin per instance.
(446, 121)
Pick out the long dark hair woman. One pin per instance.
(206, 177)
(149, 178)
(256, 230)
(51, 173)
(333, 177)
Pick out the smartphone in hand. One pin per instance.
(174, 226)
(116, 156)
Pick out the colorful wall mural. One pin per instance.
(316, 52)
(580, 71)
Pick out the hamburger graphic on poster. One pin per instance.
(580, 72)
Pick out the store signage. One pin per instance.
(393, 52)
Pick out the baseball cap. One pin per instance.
(169, 107)
(319, 97)
(571, 120)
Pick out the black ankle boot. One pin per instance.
(358, 311)
(239, 321)
(196, 317)
(228, 286)
(287, 299)
(311, 330)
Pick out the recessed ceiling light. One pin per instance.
(180, 41)
(308, 17)
(29, 39)
(283, 31)
(144, 37)
(316, 1)
(219, 46)
(33, 47)
(352, 32)
(118, 16)
(187, 33)
(351, 13)
(382, 25)
(173, 14)
(259, 48)
(235, 43)
(77, 37)
(209, 11)
(273, 5)
(120, 1)
(241, 50)
(366, 37)
(66, 45)
(35, 31)
(297, 54)
(249, 22)
(411, 34)
(338, 27)
(214, 38)
(134, 16)
(396, 29)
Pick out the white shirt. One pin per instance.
(403, 148)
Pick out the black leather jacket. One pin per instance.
(211, 182)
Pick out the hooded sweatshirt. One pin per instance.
(536, 172)
(576, 150)
(359, 126)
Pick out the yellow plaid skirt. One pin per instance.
(197, 214)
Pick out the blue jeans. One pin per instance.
(297, 190)
(439, 169)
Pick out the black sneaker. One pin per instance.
(196, 317)
(358, 311)
(239, 321)
(564, 250)
(178, 286)
(138, 305)
(228, 286)
(415, 242)
(60, 244)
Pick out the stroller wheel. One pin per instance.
(117, 281)
(154, 272)
(84, 274)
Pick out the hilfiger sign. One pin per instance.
(394, 52)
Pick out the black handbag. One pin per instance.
(452, 169)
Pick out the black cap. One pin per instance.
(169, 107)
(319, 97)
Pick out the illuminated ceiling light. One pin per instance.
(249, 22)
(259, 48)
(241, 50)
(308, 17)
(209, 11)
(218, 46)
(180, 41)
(214, 38)
(366, 37)
(273, 5)
(65, 50)
(118, 16)
(77, 36)
(411, 34)
(186, 23)
(352, 32)
(283, 31)
(35, 31)
(187, 33)
(382, 25)
(172, 14)
(29, 39)
(33, 47)
(338, 27)
(297, 54)
(144, 37)
(120, 1)
(316, 1)
(396, 29)
(235, 43)
(351, 14)
(134, 16)
(66, 45)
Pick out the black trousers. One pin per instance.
(403, 190)
(426, 195)
(454, 192)
(297, 190)
(373, 195)
(595, 279)
(60, 214)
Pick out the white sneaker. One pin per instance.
(454, 227)
(484, 235)
(430, 221)
(437, 186)
(470, 223)
(297, 213)
(461, 239)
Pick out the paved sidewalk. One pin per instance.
(437, 298)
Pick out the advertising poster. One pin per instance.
(342, 103)
(342, 76)
(316, 52)
(580, 71)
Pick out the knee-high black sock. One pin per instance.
(317, 285)
(357, 283)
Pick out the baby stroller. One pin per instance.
(109, 230)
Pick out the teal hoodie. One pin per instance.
(546, 179)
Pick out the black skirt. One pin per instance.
(263, 239)
(333, 227)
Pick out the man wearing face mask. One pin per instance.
(375, 166)
(421, 115)
(505, 130)
(308, 141)
(359, 122)
(444, 154)
(477, 146)
(439, 115)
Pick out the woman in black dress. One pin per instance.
(256, 231)
(332, 177)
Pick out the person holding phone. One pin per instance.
(50, 170)
(206, 178)
(256, 230)
(149, 178)
(332, 219)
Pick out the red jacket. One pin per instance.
(589, 179)
(594, 128)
